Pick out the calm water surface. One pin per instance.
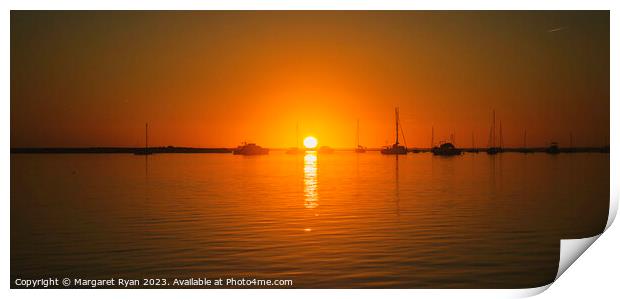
(339, 220)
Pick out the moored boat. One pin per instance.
(250, 149)
(396, 148)
(493, 149)
(145, 151)
(446, 149)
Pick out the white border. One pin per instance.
(583, 281)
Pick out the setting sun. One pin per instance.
(310, 142)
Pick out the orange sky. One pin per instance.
(215, 79)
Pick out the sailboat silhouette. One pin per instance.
(396, 148)
(146, 150)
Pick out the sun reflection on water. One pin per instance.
(310, 180)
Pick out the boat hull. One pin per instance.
(451, 152)
(395, 150)
(251, 152)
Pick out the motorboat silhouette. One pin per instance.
(250, 149)
(446, 149)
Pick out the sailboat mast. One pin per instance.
(146, 134)
(525, 139)
(396, 125)
(490, 142)
(493, 131)
(432, 136)
(501, 137)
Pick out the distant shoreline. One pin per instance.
(117, 150)
(201, 150)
